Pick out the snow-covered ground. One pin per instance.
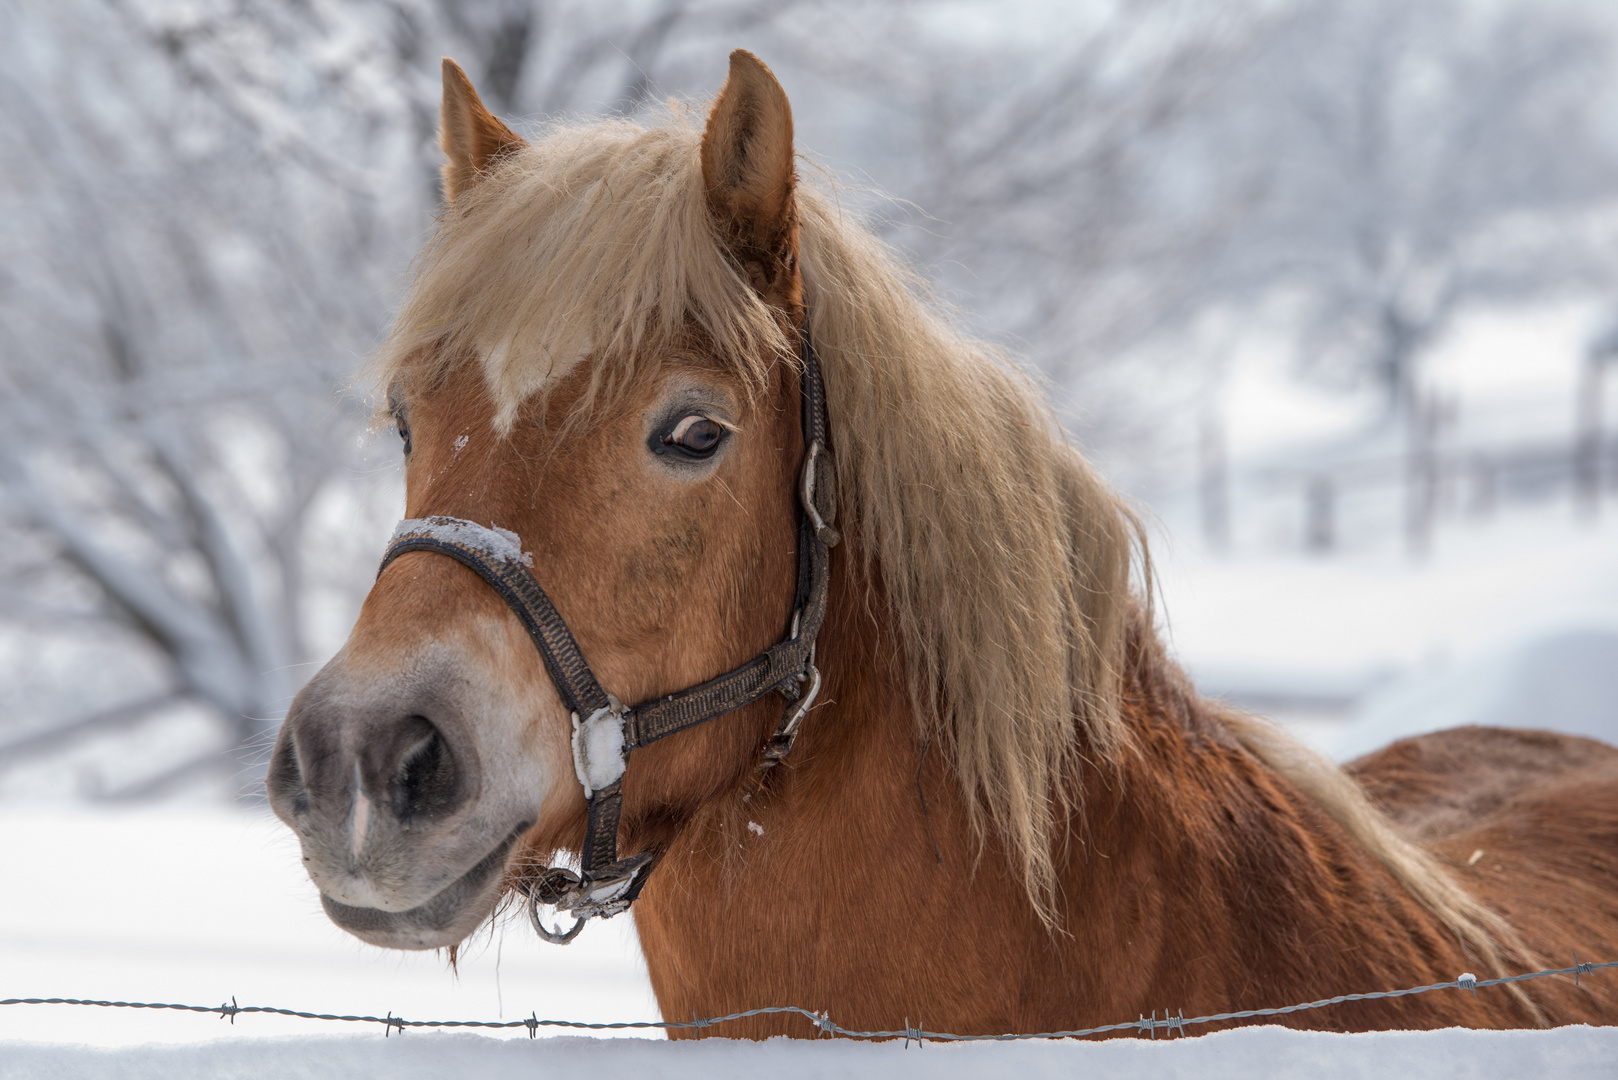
(195, 907)
(1251, 1054)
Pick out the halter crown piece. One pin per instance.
(604, 730)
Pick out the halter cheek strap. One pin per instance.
(604, 730)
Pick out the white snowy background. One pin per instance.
(1327, 285)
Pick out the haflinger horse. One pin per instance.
(903, 744)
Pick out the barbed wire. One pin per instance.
(824, 1023)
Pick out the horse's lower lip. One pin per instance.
(442, 920)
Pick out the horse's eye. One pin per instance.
(404, 432)
(695, 436)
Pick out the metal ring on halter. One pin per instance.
(548, 934)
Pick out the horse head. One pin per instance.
(646, 473)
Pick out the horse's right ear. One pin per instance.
(472, 138)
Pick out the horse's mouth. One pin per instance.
(454, 912)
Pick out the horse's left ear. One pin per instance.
(473, 138)
(747, 165)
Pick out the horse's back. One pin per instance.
(1529, 821)
(1448, 783)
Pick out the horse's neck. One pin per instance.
(856, 882)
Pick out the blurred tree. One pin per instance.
(205, 210)
(202, 213)
(1047, 170)
(1417, 159)
(1411, 162)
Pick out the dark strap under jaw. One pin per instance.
(604, 731)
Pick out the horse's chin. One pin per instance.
(445, 919)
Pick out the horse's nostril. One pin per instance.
(284, 780)
(425, 781)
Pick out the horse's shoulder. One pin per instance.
(1450, 782)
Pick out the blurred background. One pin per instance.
(1329, 286)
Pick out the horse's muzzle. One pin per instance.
(380, 778)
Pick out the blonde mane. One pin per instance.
(1003, 560)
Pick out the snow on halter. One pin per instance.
(494, 542)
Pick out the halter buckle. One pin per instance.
(609, 891)
(600, 896)
(786, 733)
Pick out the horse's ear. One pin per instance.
(472, 138)
(747, 165)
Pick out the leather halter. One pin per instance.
(604, 731)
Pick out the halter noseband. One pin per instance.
(604, 731)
